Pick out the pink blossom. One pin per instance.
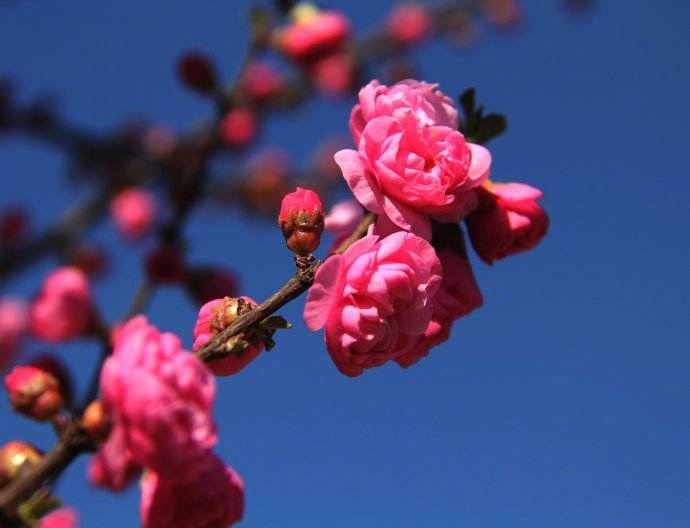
(342, 220)
(13, 326)
(213, 497)
(409, 173)
(62, 310)
(409, 23)
(315, 34)
(213, 317)
(458, 295)
(509, 220)
(61, 518)
(133, 210)
(374, 300)
(159, 397)
(429, 105)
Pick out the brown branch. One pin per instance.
(72, 443)
(219, 346)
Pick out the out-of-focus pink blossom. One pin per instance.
(159, 142)
(212, 497)
(159, 397)
(261, 81)
(34, 392)
(63, 309)
(508, 220)
(409, 23)
(267, 181)
(238, 127)
(342, 220)
(314, 33)
(61, 518)
(133, 211)
(196, 71)
(13, 327)
(213, 317)
(429, 105)
(334, 74)
(374, 300)
(114, 467)
(301, 220)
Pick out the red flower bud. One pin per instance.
(14, 223)
(213, 317)
(409, 23)
(196, 71)
(34, 392)
(96, 421)
(238, 127)
(15, 456)
(204, 284)
(165, 265)
(261, 81)
(301, 220)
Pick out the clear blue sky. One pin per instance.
(563, 402)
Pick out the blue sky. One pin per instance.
(562, 402)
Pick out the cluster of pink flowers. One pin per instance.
(159, 397)
(396, 293)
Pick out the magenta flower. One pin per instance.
(342, 220)
(159, 397)
(409, 23)
(429, 105)
(314, 34)
(509, 220)
(211, 497)
(62, 310)
(374, 300)
(410, 166)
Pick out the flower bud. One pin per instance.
(213, 317)
(13, 326)
(14, 223)
(165, 265)
(132, 211)
(96, 421)
(301, 220)
(238, 127)
(261, 81)
(34, 392)
(15, 456)
(196, 71)
(206, 283)
(409, 23)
